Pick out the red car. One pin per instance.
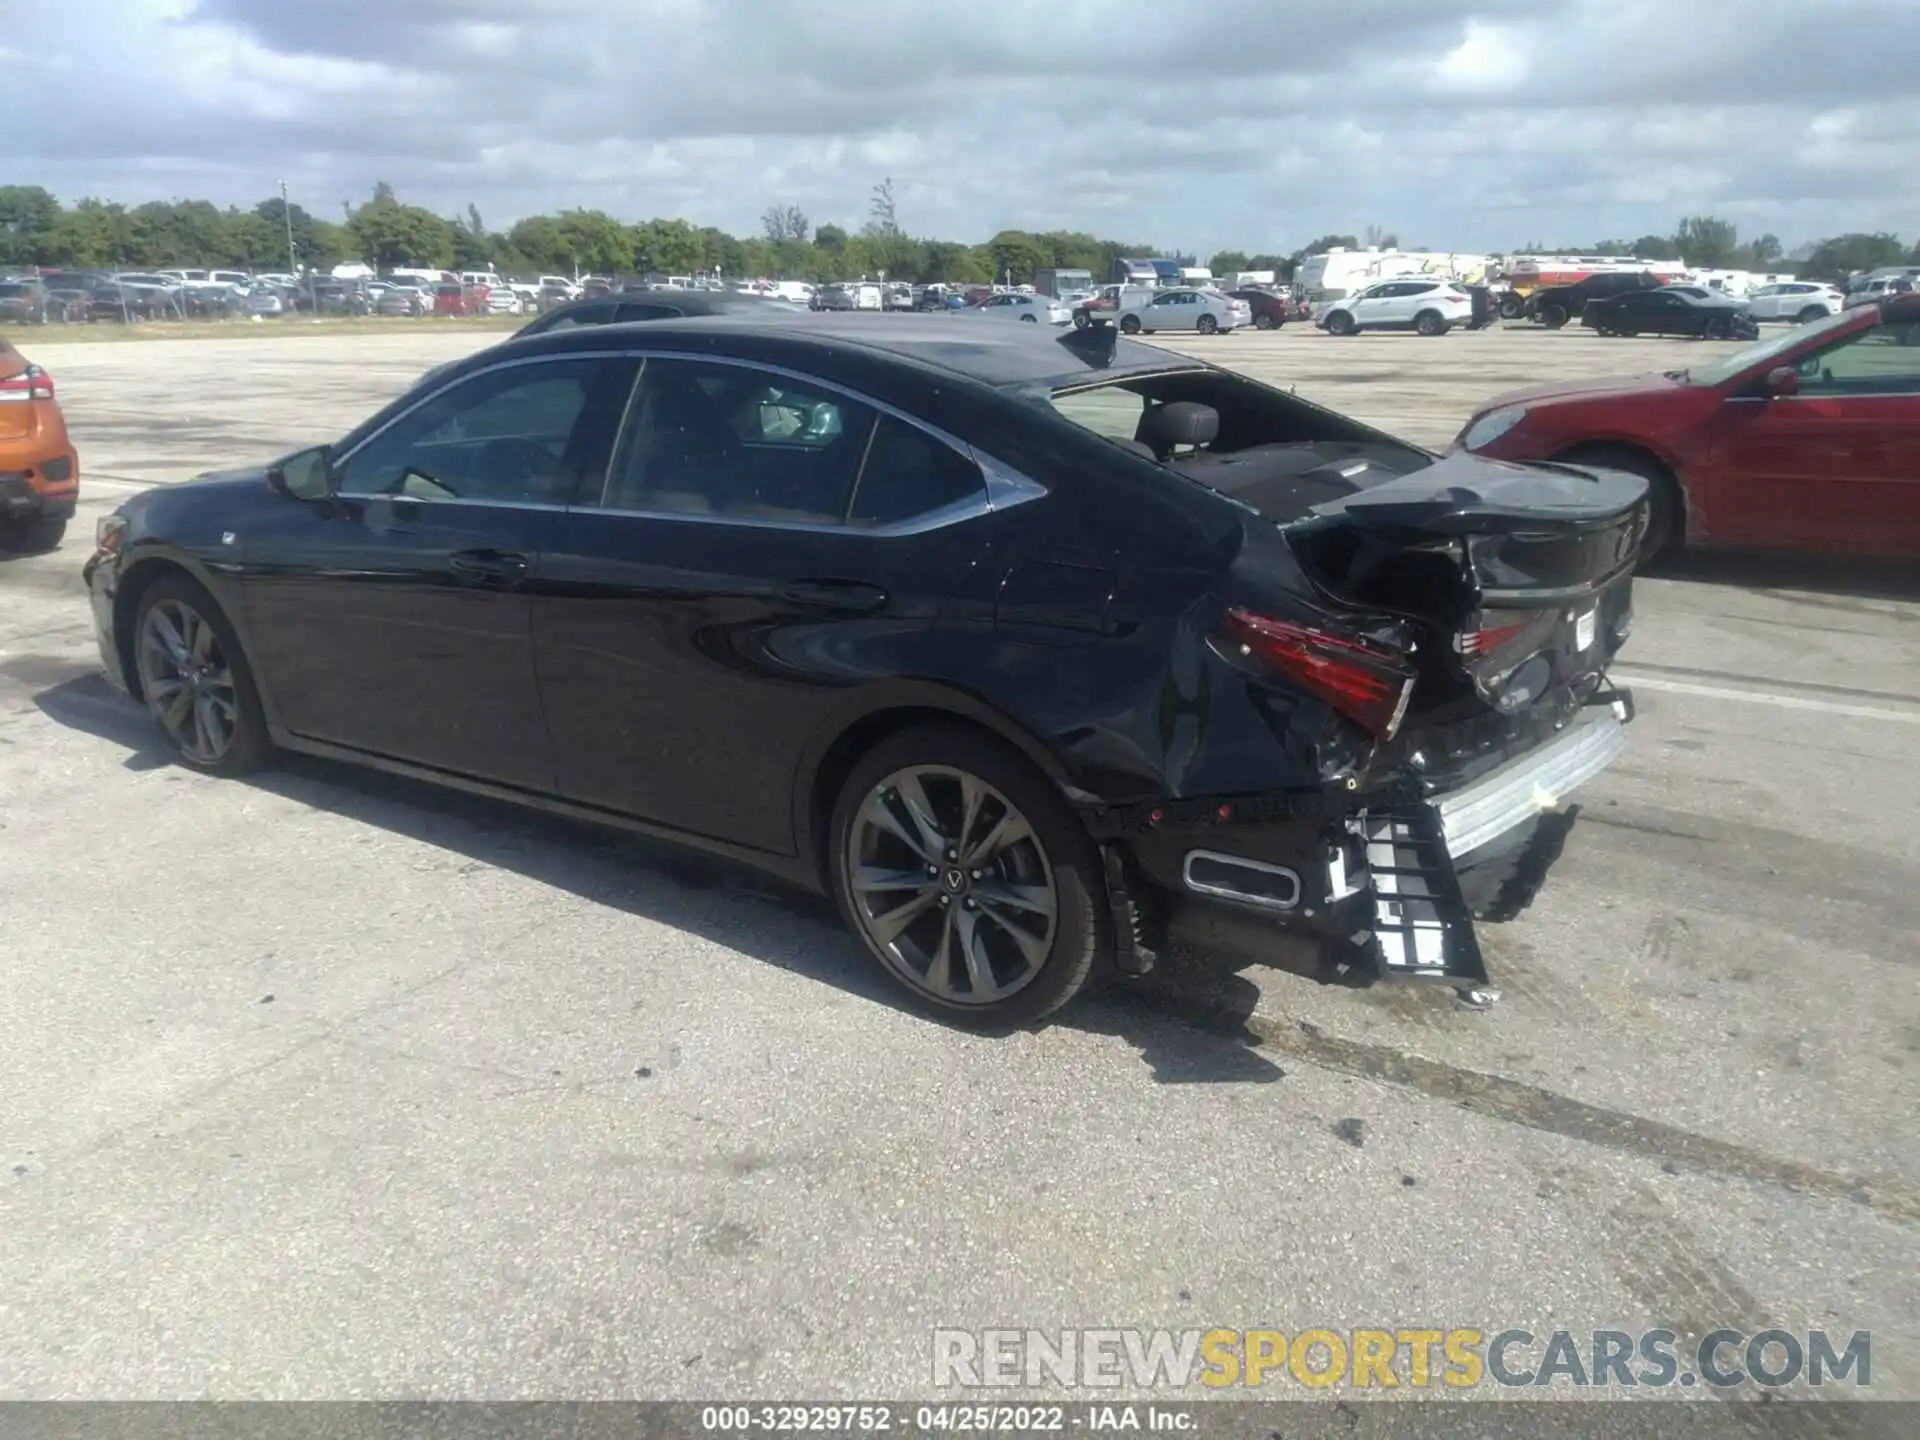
(450, 299)
(1809, 440)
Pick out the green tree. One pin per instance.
(668, 247)
(1764, 252)
(1707, 241)
(1281, 265)
(1844, 255)
(1016, 254)
(830, 238)
(785, 222)
(1227, 262)
(388, 233)
(593, 241)
(30, 226)
(93, 233)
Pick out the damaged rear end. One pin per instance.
(1430, 645)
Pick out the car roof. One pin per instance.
(1000, 356)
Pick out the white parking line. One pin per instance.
(1767, 697)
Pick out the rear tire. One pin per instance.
(1430, 322)
(1263, 322)
(1207, 325)
(32, 537)
(1666, 507)
(1055, 859)
(1030, 319)
(1512, 307)
(1080, 321)
(1341, 323)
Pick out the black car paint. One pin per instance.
(1662, 310)
(689, 679)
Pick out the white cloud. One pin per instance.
(1466, 123)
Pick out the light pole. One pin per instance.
(286, 213)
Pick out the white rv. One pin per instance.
(1339, 272)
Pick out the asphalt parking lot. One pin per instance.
(327, 1085)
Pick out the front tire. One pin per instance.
(1080, 321)
(196, 681)
(1810, 314)
(1130, 325)
(1554, 316)
(967, 877)
(1341, 323)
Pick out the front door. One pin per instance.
(395, 620)
(762, 544)
(1837, 464)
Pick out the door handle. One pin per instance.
(488, 567)
(834, 597)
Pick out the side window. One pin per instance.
(907, 473)
(503, 436)
(1882, 361)
(601, 314)
(735, 442)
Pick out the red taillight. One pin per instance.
(1368, 683)
(33, 383)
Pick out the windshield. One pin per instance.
(1718, 372)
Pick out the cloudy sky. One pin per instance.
(1199, 124)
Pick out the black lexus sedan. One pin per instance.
(1671, 310)
(1028, 648)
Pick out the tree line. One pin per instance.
(384, 231)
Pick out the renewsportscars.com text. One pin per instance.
(1384, 1359)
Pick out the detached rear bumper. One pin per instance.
(1380, 872)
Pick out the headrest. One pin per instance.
(1179, 422)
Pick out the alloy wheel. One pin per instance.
(187, 680)
(951, 885)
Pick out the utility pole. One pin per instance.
(286, 213)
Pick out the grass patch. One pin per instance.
(33, 337)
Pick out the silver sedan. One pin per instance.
(1034, 309)
(1184, 308)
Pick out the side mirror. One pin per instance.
(307, 475)
(1781, 381)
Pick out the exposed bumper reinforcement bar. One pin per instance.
(1531, 783)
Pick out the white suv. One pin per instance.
(1799, 301)
(1430, 307)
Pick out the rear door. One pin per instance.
(1837, 465)
(396, 620)
(763, 543)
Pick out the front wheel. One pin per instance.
(196, 680)
(1554, 316)
(1080, 321)
(1207, 325)
(967, 877)
(1811, 314)
(1341, 323)
(1130, 325)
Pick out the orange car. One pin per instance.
(39, 473)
